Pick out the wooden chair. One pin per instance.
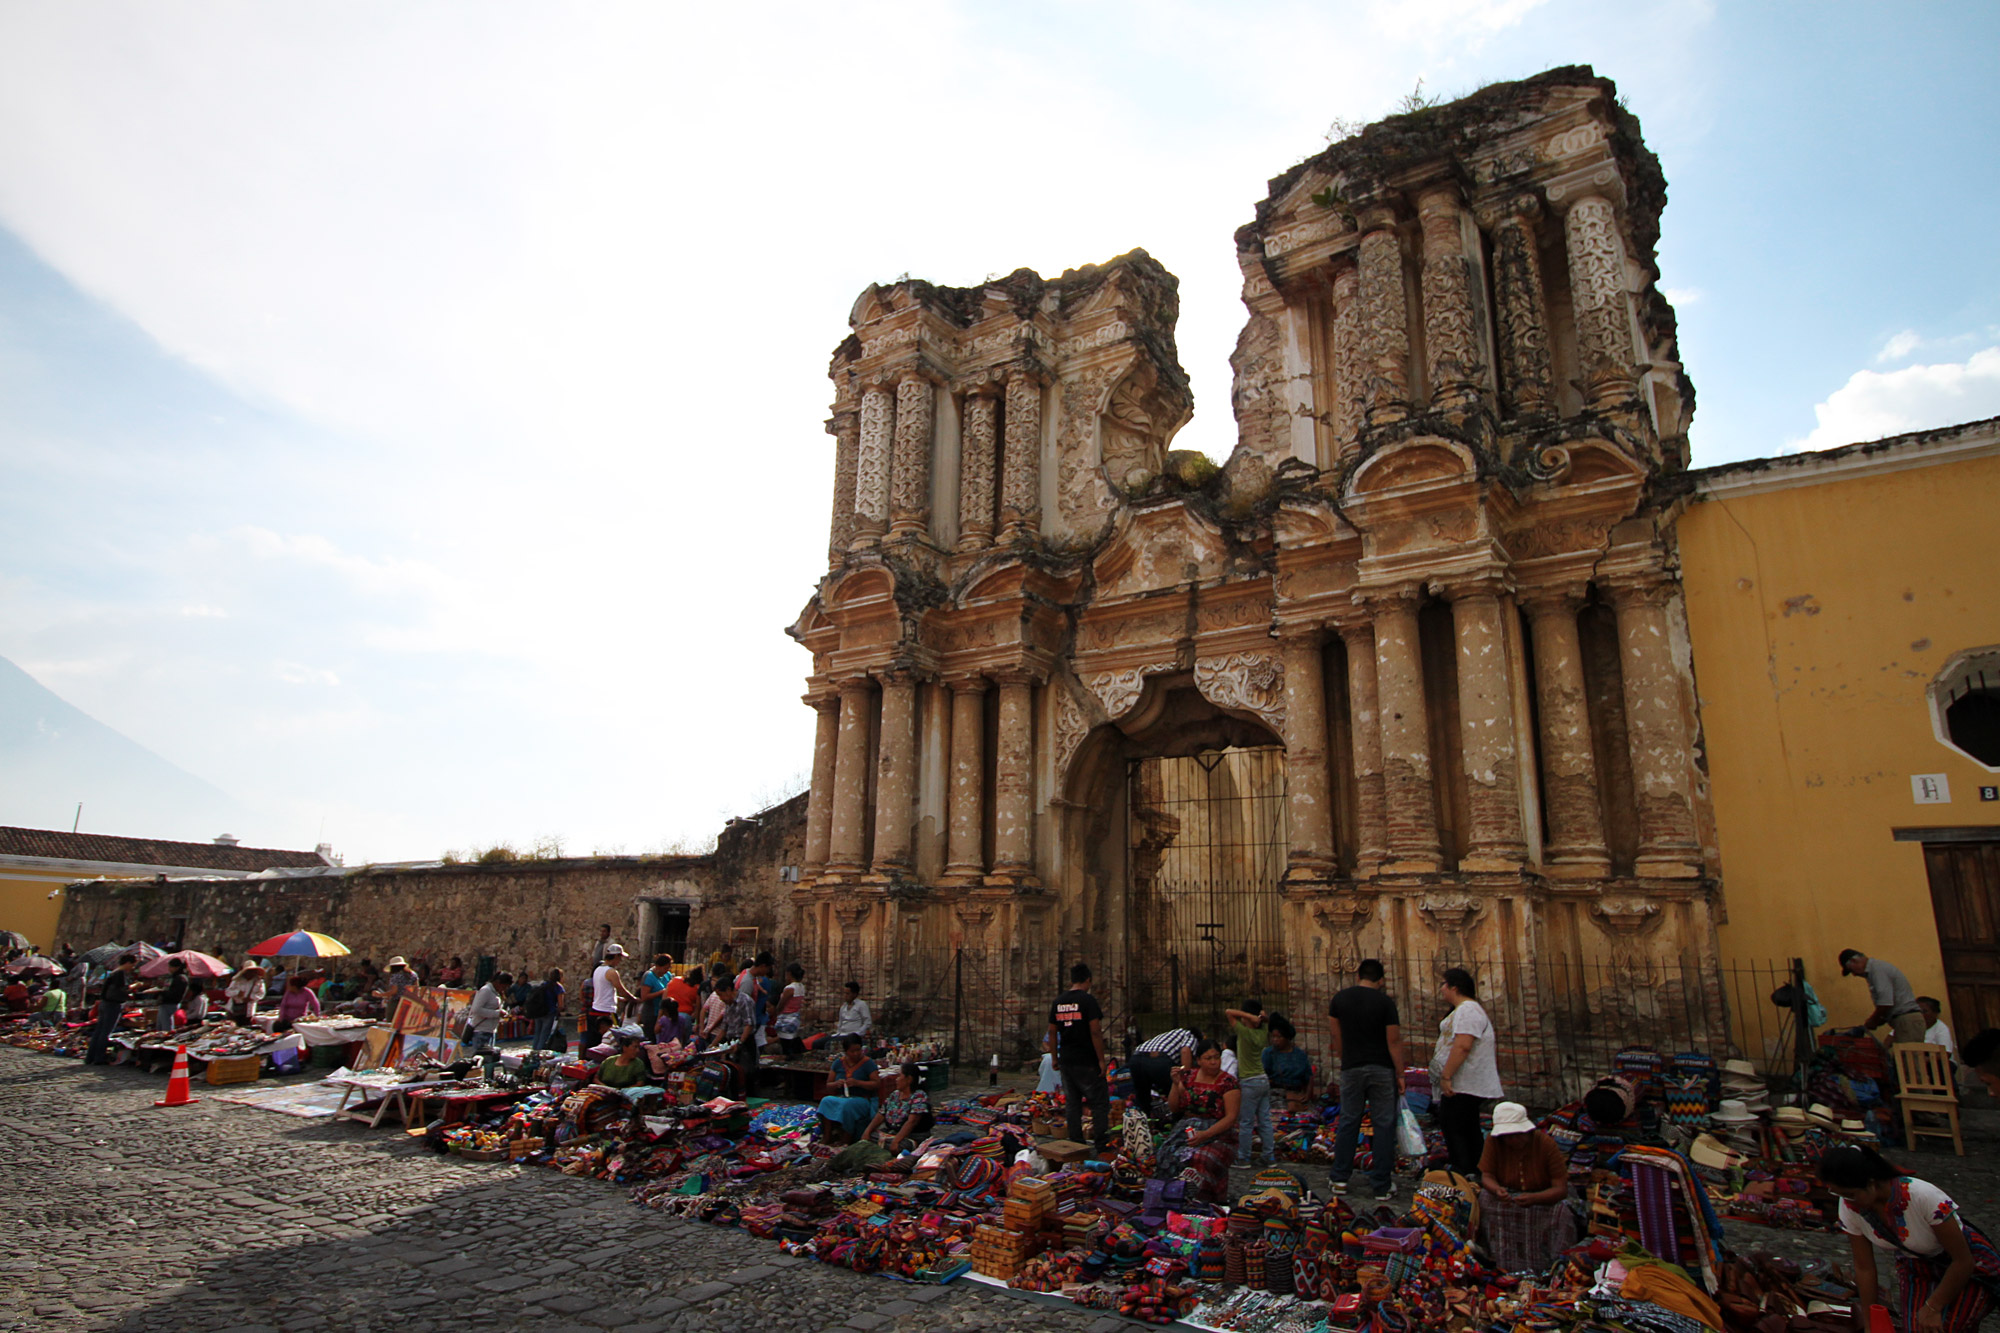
(1924, 1072)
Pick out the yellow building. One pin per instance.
(1844, 612)
(35, 865)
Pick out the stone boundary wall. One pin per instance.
(537, 914)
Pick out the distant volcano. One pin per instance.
(53, 755)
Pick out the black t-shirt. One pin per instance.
(175, 990)
(115, 987)
(1365, 1015)
(1072, 1014)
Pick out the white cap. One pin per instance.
(1511, 1118)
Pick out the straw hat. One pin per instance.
(1739, 1069)
(1711, 1152)
(1511, 1118)
(1732, 1112)
(399, 961)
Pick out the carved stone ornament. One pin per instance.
(1626, 918)
(1119, 691)
(1251, 682)
(1342, 917)
(1453, 916)
(1550, 464)
(871, 474)
(1083, 497)
(1072, 725)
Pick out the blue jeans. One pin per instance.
(1253, 1116)
(1370, 1088)
(545, 1028)
(479, 1041)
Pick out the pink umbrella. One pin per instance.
(199, 964)
(36, 963)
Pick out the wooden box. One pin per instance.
(234, 1069)
(1066, 1150)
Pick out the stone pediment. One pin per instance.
(1411, 465)
(1159, 546)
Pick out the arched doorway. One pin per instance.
(1176, 851)
(1205, 857)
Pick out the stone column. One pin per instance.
(1308, 785)
(910, 492)
(1385, 318)
(1576, 846)
(1656, 729)
(1371, 847)
(1021, 477)
(848, 840)
(846, 432)
(1348, 409)
(1451, 335)
(975, 470)
(1408, 798)
(1526, 380)
(1494, 839)
(965, 859)
(1597, 293)
(896, 775)
(819, 806)
(1014, 782)
(871, 464)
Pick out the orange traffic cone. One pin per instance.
(177, 1086)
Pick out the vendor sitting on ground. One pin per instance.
(1201, 1147)
(16, 996)
(54, 1008)
(1290, 1068)
(905, 1118)
(1524, 1197)
(849, 1111)
(629, 1067)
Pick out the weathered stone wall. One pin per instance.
(537, 914)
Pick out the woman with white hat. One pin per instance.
(1524, 1196)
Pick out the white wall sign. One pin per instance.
(1930, 788)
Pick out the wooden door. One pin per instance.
(1965, 893)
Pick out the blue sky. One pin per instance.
(411, 414)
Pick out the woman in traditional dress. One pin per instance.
(853, 1106)
(1946, 1270)
(905, 1116)
(1201, 1147)
(1524, 1194)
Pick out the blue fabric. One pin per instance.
(850, 1113)
(1288, 1069)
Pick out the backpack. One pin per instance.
(541, 1002)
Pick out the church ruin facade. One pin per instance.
(1407, 678)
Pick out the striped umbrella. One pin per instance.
(205, 966)
(298, 944)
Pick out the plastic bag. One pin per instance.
(1409, 1134)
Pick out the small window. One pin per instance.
(1965, 705)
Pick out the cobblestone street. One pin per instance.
(217, 1217)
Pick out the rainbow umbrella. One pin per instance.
(298, 944)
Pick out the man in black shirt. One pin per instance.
(1076, 1035)
(110, 1008)
(1368, 1041)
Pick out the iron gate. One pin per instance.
(1206, 845)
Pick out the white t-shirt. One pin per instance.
(1480, 1074)
(1928, 1206)
(1937, 1034)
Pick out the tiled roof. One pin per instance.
(58, 846)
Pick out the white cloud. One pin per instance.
(1876, 403)
(1684, 296)
(1898, 346)
(297, 673)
